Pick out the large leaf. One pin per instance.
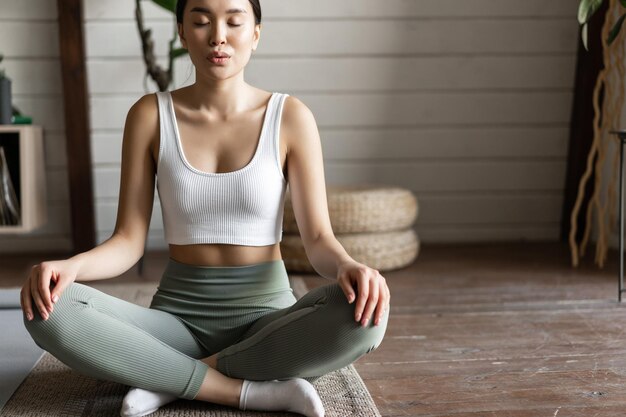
(167, 4)
(586, 9)
(623, 3)
(583, 34)
(175, 53)
(616, 28)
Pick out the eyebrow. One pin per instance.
(205, 10)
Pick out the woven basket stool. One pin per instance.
(381, 250)
(373, 223)
(362, 208)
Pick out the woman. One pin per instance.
(224, 325)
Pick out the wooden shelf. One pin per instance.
(25, 156)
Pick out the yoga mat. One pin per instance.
(18, 352)
(10, 298)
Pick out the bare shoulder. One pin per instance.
(298, 122)
(142, 123)
(145, 110)
(296, 113)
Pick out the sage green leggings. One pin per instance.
(246, 313)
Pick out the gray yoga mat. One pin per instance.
(18, 352)
(10, 298)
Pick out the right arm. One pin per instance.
(126, 245)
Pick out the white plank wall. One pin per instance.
(465, 102)
(29, 41)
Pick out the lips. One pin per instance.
(219, 55)
(219, 60)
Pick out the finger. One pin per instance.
(25, 300)
(38, 304)
(44, 287)
(28, 289)
(364, 292)
(58, 289)
(372, 300)
(34, 292)
(383, 301)
(346, 287)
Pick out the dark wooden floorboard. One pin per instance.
(477, 330)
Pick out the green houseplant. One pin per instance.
(587, 8)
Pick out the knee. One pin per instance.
(373, 334)
(42, 331)
(364, 338)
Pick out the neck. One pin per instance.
(224, 97)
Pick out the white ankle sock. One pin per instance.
(296, 395)
(139, 402)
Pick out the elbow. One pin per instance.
(320, 236)
(135, 244)
(323, 234)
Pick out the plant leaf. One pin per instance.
(623, 3)
(167, 4)
(583, 34)
(616, 28)
(586, 9)
(175, 53)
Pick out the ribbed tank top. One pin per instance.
(242, 207)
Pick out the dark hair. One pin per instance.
(256, 7)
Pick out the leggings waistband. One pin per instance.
(225, 282)
(226, 269)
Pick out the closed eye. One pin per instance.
(204, 24)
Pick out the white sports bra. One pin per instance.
(242, 207)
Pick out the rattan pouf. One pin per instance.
(363, 208)
(373, 223)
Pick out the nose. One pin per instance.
(218, 35)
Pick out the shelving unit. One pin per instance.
(24, 150)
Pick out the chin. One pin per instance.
(220, 74)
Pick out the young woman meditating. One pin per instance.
(224, 325)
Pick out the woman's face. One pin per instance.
(226, 26)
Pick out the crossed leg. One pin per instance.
(314, 336)
(105, 337)
(109, 338)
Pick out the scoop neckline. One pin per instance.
(257, 151)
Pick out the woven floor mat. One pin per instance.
(54, 389)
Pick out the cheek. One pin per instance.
(244, 36)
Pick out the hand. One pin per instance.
(372, 288)
(37, 286)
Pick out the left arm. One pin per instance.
(308, 198)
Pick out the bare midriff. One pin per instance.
(217, 254)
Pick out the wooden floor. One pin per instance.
(483, 330)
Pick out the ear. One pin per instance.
(181, 34)
(256, 36)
